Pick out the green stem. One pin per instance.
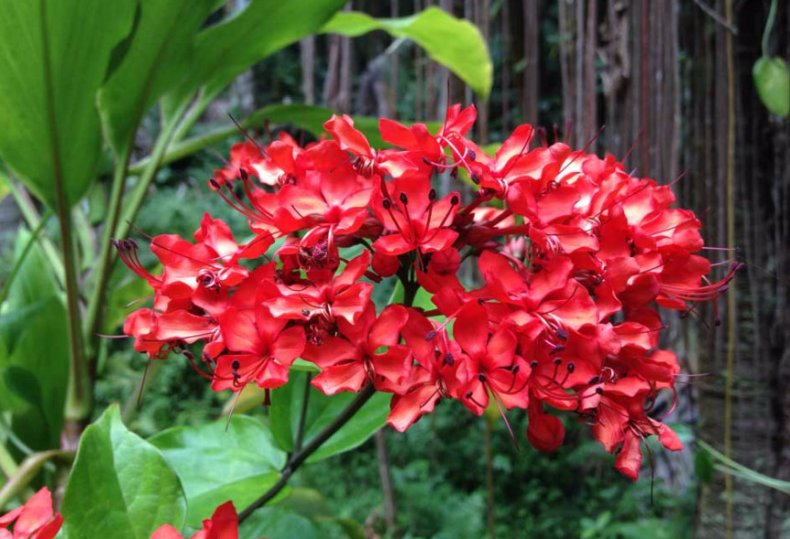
(33, 220)
(137, 195)
(769, 25)
(28, 470)
(78, 397)
(23, 255)
(104, 269)
(7, 463)
(303, 414)
(299, 457)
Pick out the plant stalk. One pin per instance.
(95, 304)
(299, 457)
(78, 396)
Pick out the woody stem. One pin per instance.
(299, 457)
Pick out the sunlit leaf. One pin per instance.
(455, 43)
(120, 486)
(215, 465)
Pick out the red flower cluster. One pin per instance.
(574, 256)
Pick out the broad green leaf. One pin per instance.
(454, 43)
(33, 333)
(215, 465)
(158, 58)
(54, 56)
(120, 485)
(321, 411)
(278, 523)
(226, 49)
(772, 79)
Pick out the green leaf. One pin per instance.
(51, 128)
(120, 486)
(772, 79)
(454, 43)
(322, 409)
(157, 59)
(726, 465)
(278, 523)
(224, 50)
(215, 465)
(34, 336)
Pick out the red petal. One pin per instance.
(166, 532)
(629, 460)
(471, 329)
(544, 431)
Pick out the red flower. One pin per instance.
(261, 348)
(417, 220)
(223, 524)
(348, 361)
(34, 520)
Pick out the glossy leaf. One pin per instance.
(215, 465)
(226, 49)
(54, 56)
(120, 485)
(772, 80)
(321, 411)
(157, 59)
(455, 43)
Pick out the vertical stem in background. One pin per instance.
(419, 111)
(105, 258)
(78, 396)
(566, 55)
(589, 112)
(385, 474)
(394, 68)
(644, 88)
(731, 299)
(489, 458)
(346, 63)
(307, 55)
(531, 10)
(483, 21)
(505, 29)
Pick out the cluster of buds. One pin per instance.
(574, 257)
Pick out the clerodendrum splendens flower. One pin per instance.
(574, 255)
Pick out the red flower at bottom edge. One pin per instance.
(223, 524)
(34, 520)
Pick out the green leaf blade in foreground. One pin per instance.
(158, 59)
(321, 411)
(120, 486)
(215, 465)
(454, 43)
(81, 35)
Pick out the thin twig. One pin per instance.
(299, 457)
(713, 14)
